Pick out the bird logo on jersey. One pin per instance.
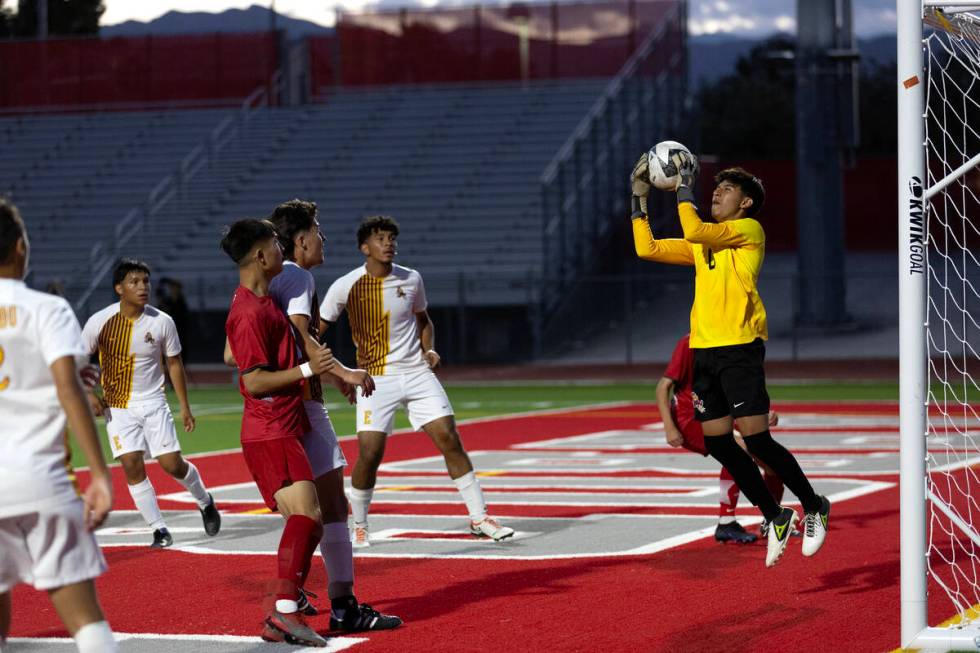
(698, 403)
(399, 292)
(149, 338)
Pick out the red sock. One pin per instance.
(299, 540)
(775, 485)
(729, 494)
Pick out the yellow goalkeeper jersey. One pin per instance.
(727, 258)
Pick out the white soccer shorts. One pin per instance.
(320, 442)
(48, 549)
(420, 393)
(144, 426)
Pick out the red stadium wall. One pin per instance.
(870, 202)
(139, 70)
(590, 39)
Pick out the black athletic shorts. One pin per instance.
(730, 381)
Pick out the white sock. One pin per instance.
(360, 502)
(286, 606)
(338, 559)
(95, 638)
(146, 502)
(469, 487)
(192, 482)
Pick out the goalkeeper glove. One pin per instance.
(687, 172)
(638, 207)
(640, 186)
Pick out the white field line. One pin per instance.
(647, 549)
(472, 420)
(333, 643)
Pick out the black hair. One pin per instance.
(125, 266)
(242, 236)
(290, 218)
(374, 223)
(750, 185)
(12, 229)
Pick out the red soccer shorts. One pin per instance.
(693, 437)
(275, 464)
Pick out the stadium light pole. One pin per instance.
(910, 88)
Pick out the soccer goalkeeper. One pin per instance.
(728, 333)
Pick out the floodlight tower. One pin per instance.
(826, 137)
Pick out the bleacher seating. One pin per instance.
(75, 177)
(457, 166)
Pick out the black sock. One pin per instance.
(743, 469)
(341, 604)
(762, 446)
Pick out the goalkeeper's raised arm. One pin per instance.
(667, 250)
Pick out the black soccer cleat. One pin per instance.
(211, 518)
(161, 539)
(733, 532)
(359, 617)
(304, 605)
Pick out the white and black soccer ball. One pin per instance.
(663, 172)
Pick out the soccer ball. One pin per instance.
(663, 172)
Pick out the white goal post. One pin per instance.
(938, 87)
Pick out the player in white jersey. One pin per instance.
(294, 289)
(386, 307)
(45, 528)
(132, 338)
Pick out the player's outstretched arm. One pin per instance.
(261, 381)
(739, 233)
(342, 377)
(665, 390)
(675, 251)
(178, 377)
(427, 337)
(98, 494)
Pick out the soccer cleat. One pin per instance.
(211, 518)
(360, 536)
(361, 617)
(307, 608)
(815, 527)
(764, 531)
(489, 527)
(779, 534)
(161, 539)
(733, 532)
(292, 629)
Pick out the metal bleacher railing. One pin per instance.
(141, 218)
(585, 184)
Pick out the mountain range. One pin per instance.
(711, 56)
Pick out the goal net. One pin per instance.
(942, 246)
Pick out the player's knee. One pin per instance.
(175, 466)
(443, 434)
(334, 509)
(134, 469)
(371, 455)
(758, 442)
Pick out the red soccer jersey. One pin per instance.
(681, 370)
(261, 337)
